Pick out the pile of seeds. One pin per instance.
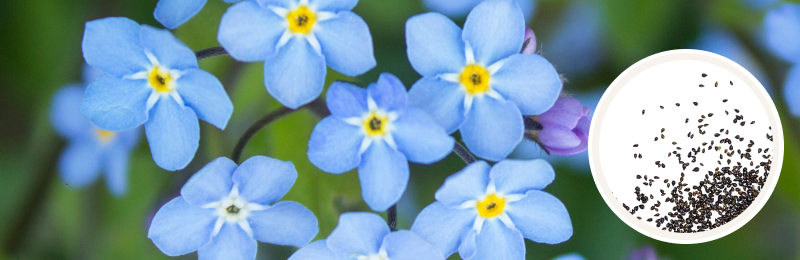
(723, 193)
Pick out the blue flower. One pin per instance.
(151, 78)
(782, 36)
(90, 150)
(223, 209)
(174, 13)
(577, 47)
(459, 8)
(365, 236)
(484, 213)
(476, 80)
(375, 130)
(296, 39)
(573, 256)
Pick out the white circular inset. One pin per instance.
(670, 138)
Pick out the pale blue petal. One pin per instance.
(405, 245)
(530, 81)
(333, 146)
(434, 44)
(90, 73)
(346, 100)
(498, 242)
(467, 184)
(286, 223)
(232, 243)
(333, 5)
(357, 232)
(495, 30)
(451, 8)
(250, 32)
(444, 227)
(420, 138)
(116, 170)
(528, 8)
(174, 13)
(79, 164)
(203, 92)
(279, 3)
(128, 139)
(179, 228)
(782, 31)
(264, 180)
(112, 45)
(295, 75)
(173, 133)
(65, 113)
(389, 93)
(318, 250)
(211, 183)
(493, 128)
(346, 44)
(468, 245)
(442, 100)
(573, 256)
(384, 176)
(519, 176)
(541, 218)
(115, 104)
(791, 90)
(168, 50)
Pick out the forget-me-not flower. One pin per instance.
(563, 129)
(476, 81)
(375, 130)
(365, 236)
(174, 13)
(459, 8)
(573, 256)
(782, 36)
(223, 209)
(485, 212)
(296, 39)
(91, 150)
(151, 78)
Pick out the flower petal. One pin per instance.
(541, 218)
(558, 137)
(174, 13)
(405, 245)
(434, 44)
(389, 93)
(519, 176)
(493, 128)
(116, 169)
(420, 138)
(782, 31)
(314, 251)
(279, 3)
(346, 100)
(264, 180)
(384, 176)
(112, 45)
(334, 145)
(573, 256)
(357, 233)
(565, 112)
(495, 30)
(442, 100)
(295, 75)
(173, 133)
(444, 227)
(250, 32)
(451, 8)
(169, 51)
(468, 245)
(530, 81)
(498, 242)
(346, 43)
(115, 104)
(79, 164)
(467, 184)
(179, 228)
(211, 183)
(791, 90)
(333, 5)
(203, 92)
(232, 243)
(65, 113)
(286, 223)
(582, 131)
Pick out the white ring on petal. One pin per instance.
(312, 39)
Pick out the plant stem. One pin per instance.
(261, 123)
(210, 52)
(391, 217)
(462, 152)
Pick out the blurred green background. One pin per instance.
(42, 218)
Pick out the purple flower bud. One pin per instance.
(564, 129)
(529, 45)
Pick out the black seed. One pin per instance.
(662, 107)
(642, 111)
(704, 75)
(677, 104)
(701, 85)
(724, 100)
(636, 145)
(695, 103)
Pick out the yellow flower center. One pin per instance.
(161, 80)
(104, 135)
(475, 79)
(375, 124)
(491, 206)
(301, 20)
